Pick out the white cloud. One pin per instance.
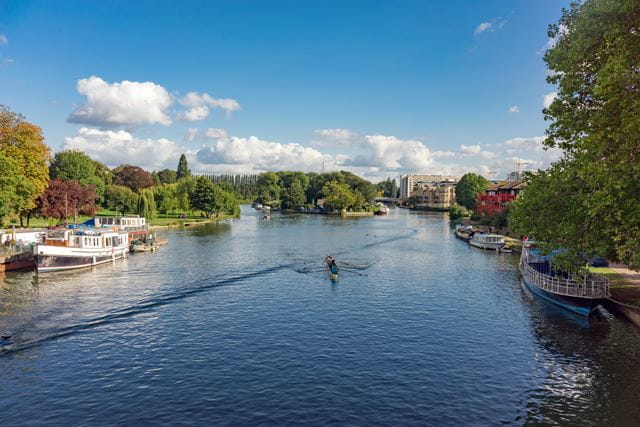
(191, 134)
(495, 24)
(194, 114)
(393, 154)
(514, 109)
(484, 26)
(254, 154)
(125, 103)
(476, 151)
(198, 100)
(334, 137)
(547, 99)
(3, 39)
(117, 147)
(215, 133)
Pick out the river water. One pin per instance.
(234, 324)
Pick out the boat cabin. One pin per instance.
(84, 239)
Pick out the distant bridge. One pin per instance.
(387, 199)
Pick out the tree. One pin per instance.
(146, 204)
(133, 177)
(389, 188)
(203, 196)
(23, 143)
(9, 187)
(293, 197)
(120, 198)
(184, 188)
(456, 211)
(338, 195)
(268, 187)
(588, 202)
(77, 166)
(168, 176)
(468, 188)
(183, 169)
(64, 199)
(166, 197)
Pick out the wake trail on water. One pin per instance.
(140, 307)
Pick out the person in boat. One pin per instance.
(331, 263)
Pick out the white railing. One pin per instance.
(591, 286)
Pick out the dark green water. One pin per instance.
(228, 325)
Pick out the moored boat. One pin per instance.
(487, 241)
(382, 209)
(464, 232)
(66, 249)
(580, 294)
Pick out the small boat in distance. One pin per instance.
(66, 248)
(382, 209)
(464, 232)
(580, 294)
(495, 242)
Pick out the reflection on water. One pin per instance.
(238, 323)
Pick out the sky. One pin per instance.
(378, 88)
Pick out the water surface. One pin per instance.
(230, 324)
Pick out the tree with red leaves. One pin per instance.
(133, 177)
(64, 199)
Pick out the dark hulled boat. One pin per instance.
(578, 294)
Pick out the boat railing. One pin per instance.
(591, 286)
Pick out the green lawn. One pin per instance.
(160, 220)
(615, 278)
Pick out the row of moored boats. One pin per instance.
(97, 241)
(579, 293)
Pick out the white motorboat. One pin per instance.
(66, 248)
(488, 241)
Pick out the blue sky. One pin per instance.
(381, 88)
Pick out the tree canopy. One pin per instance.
(23, 144)
(67, 198)
(183, 169)
(133, 177)
(76, 165)
(468, 188)
(588, 203)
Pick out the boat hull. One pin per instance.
(333, 277)
(486, 245)
(46, 263)
(582, 306)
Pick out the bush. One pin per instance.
(457, 211)
(475, 217)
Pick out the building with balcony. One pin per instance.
(409, 183)
(438, 195)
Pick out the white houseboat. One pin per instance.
(488, 241)
(66, 248)
(136, 226)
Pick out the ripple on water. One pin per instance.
(219, 328)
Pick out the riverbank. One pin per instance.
(164, 223)
(625, 290)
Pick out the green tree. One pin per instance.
(588, 202)
(203, 196)
(146, 204)
(338, 195)
(120, 199)
(456, 211)
(74, 165)
(268, 187)
(168, 176)
(23, 143)
(293, 197)
(184, 189)
(468, 188)
(9, 188)
(166, 197)
(183, 169)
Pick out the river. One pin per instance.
(233, 324)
